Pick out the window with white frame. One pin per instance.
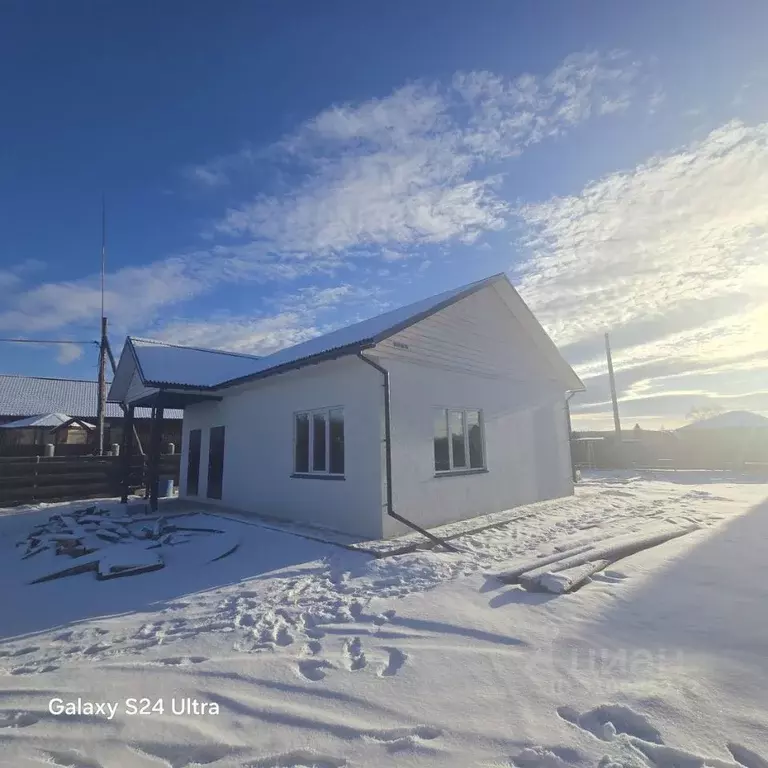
(458, 441)
(318, 442)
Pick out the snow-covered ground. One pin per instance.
(314, 655)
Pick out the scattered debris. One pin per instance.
(94, 540)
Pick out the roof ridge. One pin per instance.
(198, 349)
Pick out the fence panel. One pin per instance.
(25, 480)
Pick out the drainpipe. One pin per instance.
(570, 432)
(388, 458)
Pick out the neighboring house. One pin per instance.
(448, 408)
(34, 397)
(55, 428)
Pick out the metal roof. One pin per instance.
(162, 363)
(34, 396)
(46, 420)
(171, 365)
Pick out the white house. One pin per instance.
(446, 409)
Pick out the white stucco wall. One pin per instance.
(474, 354)
(258, 456)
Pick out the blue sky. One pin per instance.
(275, 170)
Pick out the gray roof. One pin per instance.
(45, 420)
(33, 396)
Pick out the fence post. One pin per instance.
(34, 480)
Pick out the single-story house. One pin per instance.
(449, 408)
(35, 397)
(56, 428)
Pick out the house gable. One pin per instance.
(488, 333)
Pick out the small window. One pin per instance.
(319, 442)
(458, 440)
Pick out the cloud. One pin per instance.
(259, 336)
(383, 178)
(413, 168)
(670, 257)
(296, 318)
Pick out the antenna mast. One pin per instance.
(102, 402)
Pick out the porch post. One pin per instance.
(126, 453)
(154, 458)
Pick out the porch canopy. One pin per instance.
(160, 376)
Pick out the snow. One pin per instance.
(167, 363)
(46, 420)
(163, 363)
(315, 655)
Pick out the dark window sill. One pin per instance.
(457, 472)
(316, 476)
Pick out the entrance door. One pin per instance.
(215, 462)
(193, 462)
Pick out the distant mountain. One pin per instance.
(730, 420)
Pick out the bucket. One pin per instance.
(166, 487)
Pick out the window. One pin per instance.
(318, 445)
(458, 440)
(215, 462)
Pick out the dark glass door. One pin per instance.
(215, 462)
(193, 462)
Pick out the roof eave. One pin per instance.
(333, 354)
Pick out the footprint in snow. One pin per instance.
(606, 720)
(17, 719)
(395, 663)
(313, 669)
(404, 738)
(746, 757)
(177, 661)
(299, 759)
(354, 656)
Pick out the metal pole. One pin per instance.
(101, 405)
(154, 458)
(614, 400)
(126, 454)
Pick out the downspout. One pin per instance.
(570, 432)
(388, 458)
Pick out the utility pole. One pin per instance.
(102, 402)
(616, 422)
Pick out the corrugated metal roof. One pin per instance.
(33, 396)
(46, 420)
(164, 364)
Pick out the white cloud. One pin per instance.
(258, 336)
(670, 257)
(384, 177)
(297, 317)
(411, 168)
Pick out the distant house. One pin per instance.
(448, 408)
(61, 411)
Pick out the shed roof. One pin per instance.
(45, 420)
(33, 395)
(164, 363)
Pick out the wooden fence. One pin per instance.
(26, 480)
